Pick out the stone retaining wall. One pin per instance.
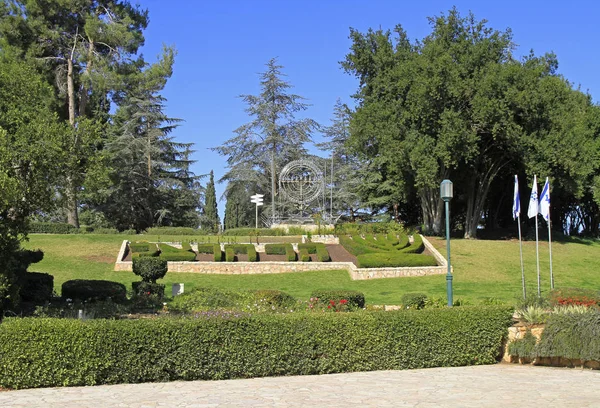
(256, 268)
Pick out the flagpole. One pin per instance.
(550, 248)
(522, 268)
(537, 256)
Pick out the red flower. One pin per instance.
(343, 302)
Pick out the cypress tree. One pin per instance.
(211, 220)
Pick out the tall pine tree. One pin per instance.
(210, 217)
(273, 138)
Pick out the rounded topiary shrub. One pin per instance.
(37, 287)
(150, 269)
(413, 300)
(87, 289)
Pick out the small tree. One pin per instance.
(210, 218)
(150, 268)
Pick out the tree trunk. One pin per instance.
(431, 207)
(70, 187)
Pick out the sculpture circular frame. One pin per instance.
(301, 181)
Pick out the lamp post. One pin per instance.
(446, 194)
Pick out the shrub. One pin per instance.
(150, 269)
(354, 298)
(322, 253)
(248, 249)
(107, 231)
(174, 231)
(275, 249)
(394, 259)
(304, 255)
(52, 228)
(310, 248)
(217, 253)
(85, 289)
(525, 347)
(574, 296)
(185, 246)
(183, 256)
(356, 245)
(75, 353)
(229, 254)
(147, 289)
(413, 300)
(247, 232)
(207, 248)
(275, 297)
(37, 287)
(403, 242)
(135, 247)
(416, 247)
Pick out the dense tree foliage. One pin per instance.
(273, 138)
(457, 105)
(210, 216)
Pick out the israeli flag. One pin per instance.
(516, 200)
(533, 209)
(545, 201)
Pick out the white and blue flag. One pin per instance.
(545, 201)
(516, 200)
(533, 209)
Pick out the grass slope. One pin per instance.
(482, 269)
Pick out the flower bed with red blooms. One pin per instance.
(574, 296)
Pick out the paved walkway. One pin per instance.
(499, 385)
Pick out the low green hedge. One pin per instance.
(247, 249)
(394, 259)
(310, 248)
(567, 335)
(251, 232)
(214, 249)
(356, 245)
(88, 289)
(322, 253)
(402, 242)
(229, 254)
(282, 249)
(416, 247)
(354, 298)
(304, 255)
(39, 352)
(170, 253)
(52, 228)
(174, 231)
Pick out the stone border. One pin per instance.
(256, 268)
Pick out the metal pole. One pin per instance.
(522, 268)
(449, 274)
(331, 189)
(537, 256)
(256, 215)
(550, 248)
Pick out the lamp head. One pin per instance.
(446, 190)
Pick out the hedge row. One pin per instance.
(170, 253)
(247, 249)
(175, 231)
(52, 228)
(281, 249)
(88, 289)
(569, 335)
(304, 255)
(416, 247)
(252, 232)
(54, 352)
(394, 259)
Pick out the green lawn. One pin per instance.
(482, 269)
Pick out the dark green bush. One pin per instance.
(183, 256)
(416, 247)
(185, 246)
(413, 300)
(229, 254)
(356, 245)
(207, 248)
(275, 297)
(52, 228)
(174, 231)
(394, 259)
(354, 298)
(217, 253)
(86, 289)
(290, 254)
(150, 269)
(67, 352)
(37, 287)
(147, 288)
(304, 255)
(525, 347)
(322, 253)
(135, 247)
(248, 249)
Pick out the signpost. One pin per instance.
(258, 200)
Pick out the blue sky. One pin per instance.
(223, 45)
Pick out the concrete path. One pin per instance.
(501, 385)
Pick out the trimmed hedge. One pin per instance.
(66, 352)
(229, 254)
(52, 228)
(281, 249)
(322, 253)
(170, 253)
(413, 300)
(353, 297)
(416, 247)
(148, 288)
(87, 289)
(356, 245)
(37, 287)
(310, 248)
(304, 255)
(247, 249)
(403, 242)
(394, 259)
(174, 231)
(569, 335)
(251, 232)
(214, 249)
